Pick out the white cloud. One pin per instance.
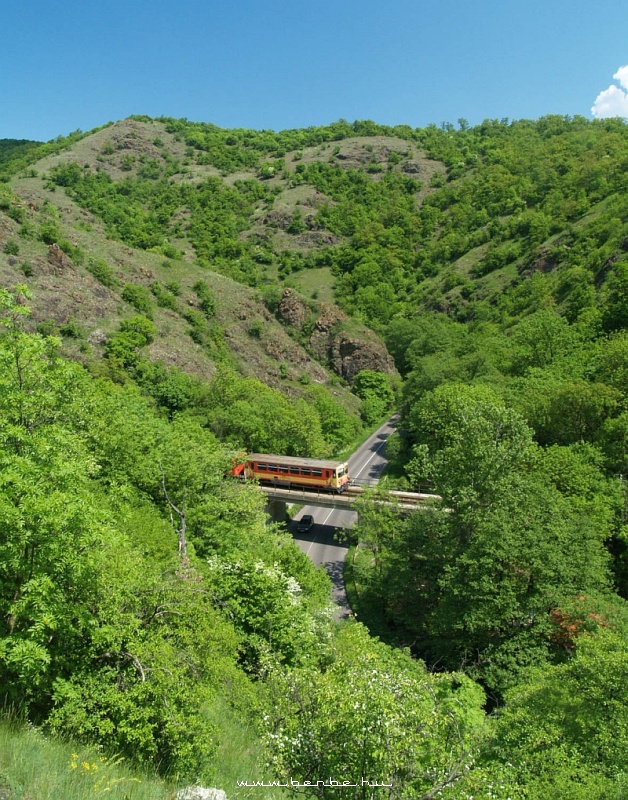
(621, 76)
(613, 102)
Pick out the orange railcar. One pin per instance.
(286, 471)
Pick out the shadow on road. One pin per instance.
(369, 472)
(328, 536)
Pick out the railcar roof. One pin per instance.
(292, 461)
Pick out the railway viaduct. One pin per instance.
(279, 496)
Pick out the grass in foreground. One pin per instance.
(240, 757)
(34, 767)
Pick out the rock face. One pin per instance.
(346, 353)
(292, 310)
(542, 260)
(348, 356)
(57, 257)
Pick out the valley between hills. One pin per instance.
(174, 295)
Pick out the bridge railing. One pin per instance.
(348, 497)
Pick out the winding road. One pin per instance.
(323, 543)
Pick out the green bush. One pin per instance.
(11, 248)
(49, 232)
(47, 327)
(297, 225)
(204, 293)
(138, 297)
(126, 162)
(170, 251)
(256, 329)
(72, 250)
(133, 334)
(102, 272)
(16, 213)
(164, 297)
(71, 329)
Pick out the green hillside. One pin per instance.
(172, 292)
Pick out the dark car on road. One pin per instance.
(305, 523)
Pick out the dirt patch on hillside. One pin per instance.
(375, 155)
(121, 149)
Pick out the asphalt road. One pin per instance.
(323, 543)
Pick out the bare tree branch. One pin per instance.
(136, 663)
(180, 512)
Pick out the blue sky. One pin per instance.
(273, 64)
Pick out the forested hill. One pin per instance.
(219, 290)
(397, 219)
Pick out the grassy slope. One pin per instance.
(61, 293)
(70, 292)
(35, 766)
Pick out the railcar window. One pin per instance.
(294, 470)
(272, 467)
(283, 469)
(341, 471)
(262, 467)
(305, 471)
(317, 472)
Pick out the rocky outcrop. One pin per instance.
(57, 258)
(347, 353)
(291, 310)
(316, 238)
(278, 219)
(543, 259)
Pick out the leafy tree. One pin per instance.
(271, 610)
(149, 674)
(543, 338)
(476, 584)
(107, 634)
(613, 439)
(563, 732)
(561, 411)
(374, 388)
(374, 716)
(256, 418)
(338, 426)
(615, 308)
(610, 362)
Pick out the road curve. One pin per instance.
(324, 542)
